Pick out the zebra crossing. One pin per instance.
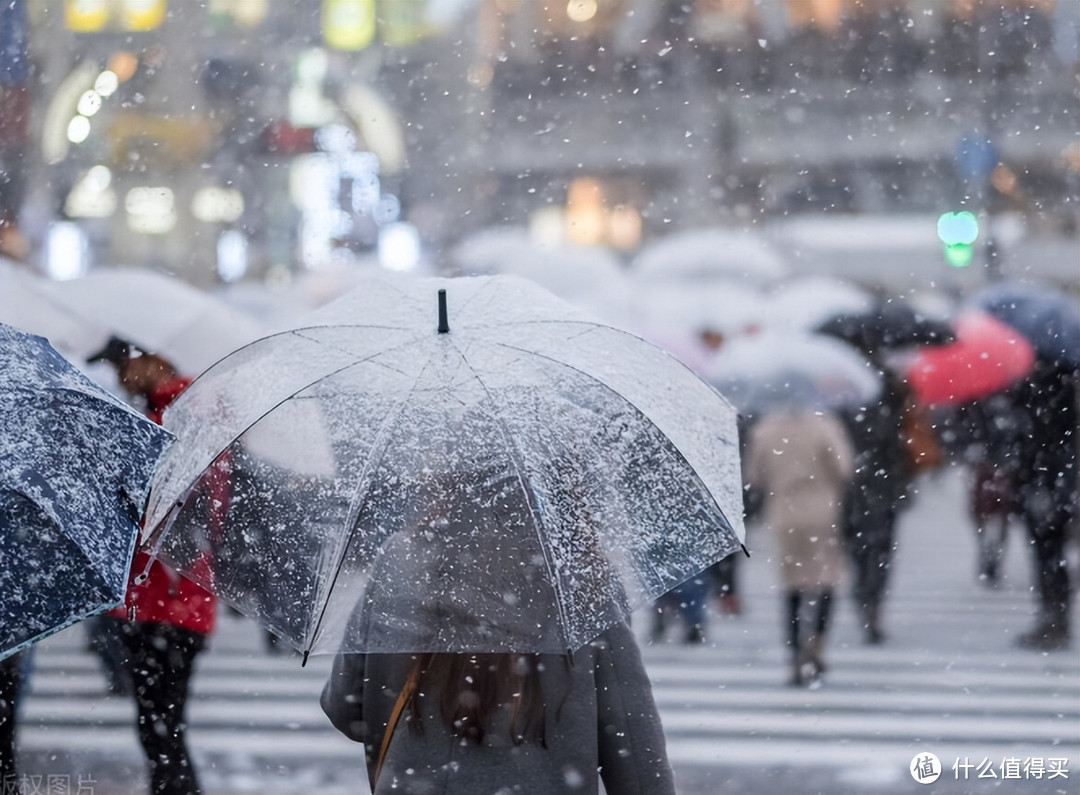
(947, 682)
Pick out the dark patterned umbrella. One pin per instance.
(75, 466)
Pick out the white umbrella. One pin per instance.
(703, 254)
(158, 313)
(591, 277)
(783, 369)
(26, 304)
(806, 303)
(486, 252)
(722, 305)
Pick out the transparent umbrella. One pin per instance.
(158, 313)
(781, 369)
(75, 467)
(518, 478)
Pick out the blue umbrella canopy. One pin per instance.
(75, 467)
(1047, 318)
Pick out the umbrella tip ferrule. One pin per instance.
(444, 325)
(745, 550)
(303, 663)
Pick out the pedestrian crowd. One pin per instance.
(830, 483)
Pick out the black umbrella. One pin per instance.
(887, 326)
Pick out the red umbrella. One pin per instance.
(987, 356)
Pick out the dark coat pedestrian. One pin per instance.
(547, 724)
(879, 491)
(9, 692)
(1047, 492)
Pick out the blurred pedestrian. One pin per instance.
(801, 461)
(687, 601)
(167, 618)
(988, 431)
(1047, 493)
(104, 639)
(879, 490)
(9, 693)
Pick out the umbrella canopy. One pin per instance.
(26, 304)
(1048, 319)
(721, 305)
(517, 482)
(699, 255)
(888, 326)
(782, 369)
(986, 356)
(158, 313)
(805, 303)
(590, 277)
(75, 466)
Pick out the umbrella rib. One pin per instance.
(378, 449)
(645, 417)
(514, 458)
(291, 394)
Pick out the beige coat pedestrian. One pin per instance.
(803, 462)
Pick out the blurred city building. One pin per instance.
(228, 139)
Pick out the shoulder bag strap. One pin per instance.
(407, 690)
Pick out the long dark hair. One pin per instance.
(471, 687)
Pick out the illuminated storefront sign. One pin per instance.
(94, 16)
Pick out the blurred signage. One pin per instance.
(160, 142)
(976, 157)
(348, 24)
(94, 16)
(339, 195)
(402, 24)
(14, 93)
(282, 138)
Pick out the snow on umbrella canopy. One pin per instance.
(518, 483)
(75, 466)
(785, 369)
(159, 313)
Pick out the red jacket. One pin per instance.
(165, 597)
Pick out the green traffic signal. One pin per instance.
(959, 255)
(958, 231)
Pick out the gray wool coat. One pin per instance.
(602, 723)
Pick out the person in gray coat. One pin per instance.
(505, 723)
